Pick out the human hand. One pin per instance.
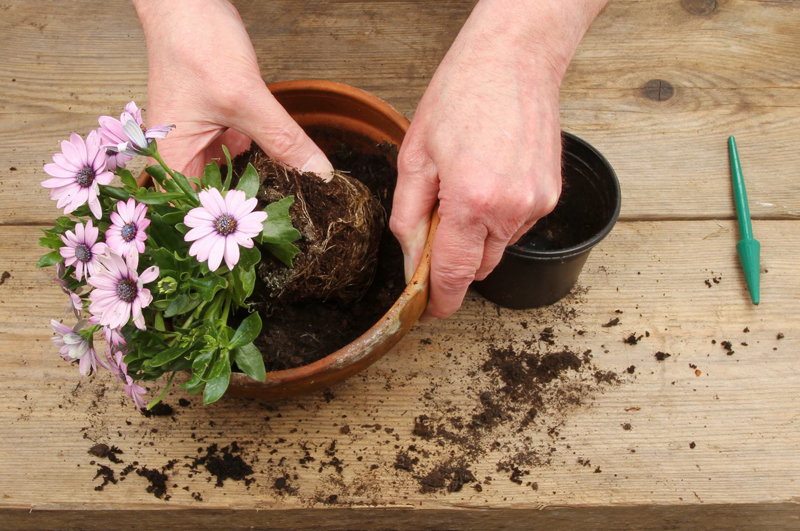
(486, 141)
(204, 78)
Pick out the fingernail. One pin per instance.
(320, 165)
(408, 268)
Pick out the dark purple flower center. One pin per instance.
(83, 252)
(85, 177)
(127, 290)
(225, 224)
(128, 231)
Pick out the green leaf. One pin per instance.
(216, 387)
(151, 197)
(53, 241)
(243, 283)
(248, 359)
(186, 187)
(165, 234)
(249, 181)
(219, 366)
(159, 322)
(248, 330)
(173, 218)
(180, 305)
(128, 180)
(278, 225)
(114, 192)
(166, 356)
(50, 259)
(158, 173)
(163, 258)
(212, 177)
(247, 257)
(285, 252)
(208, 286)
(228, 178)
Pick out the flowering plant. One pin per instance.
(164, 272)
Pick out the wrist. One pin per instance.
(544, 33)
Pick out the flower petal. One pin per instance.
(149, 275)
(217, 251)
(231, 252)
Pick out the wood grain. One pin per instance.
(733, 69)
(742, 412)
(733, 72)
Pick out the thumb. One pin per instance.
(414, 198)
(265, 121)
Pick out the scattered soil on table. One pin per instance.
(632, 339)
(728, 346)
(6, 275)
(159, 410)
(308, 321)
(158, 482)
(105, 451)
(226, 463)
(107, 475)
(519, 391)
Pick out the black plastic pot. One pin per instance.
(543, 266)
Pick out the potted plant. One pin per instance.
(166, 267)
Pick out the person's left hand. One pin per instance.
(485, 142)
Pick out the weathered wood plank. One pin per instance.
(733, 72)
(741, 412)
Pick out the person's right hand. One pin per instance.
(204, 78)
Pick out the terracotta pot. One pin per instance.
(363, 121)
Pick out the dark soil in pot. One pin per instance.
(338, 296)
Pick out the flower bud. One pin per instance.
(167, 285)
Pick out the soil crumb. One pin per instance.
(159, 410)
(661, 356)
(226, 463)
(158, 482)
(106, 474)
(105, 451)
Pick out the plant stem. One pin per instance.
(224, 320)
(154, 153)
(163, 393)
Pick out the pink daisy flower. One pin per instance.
(127, 136)
(73, 347)
(82, 249)
(134, 390)
(126, 236)
(119, 294)
(76, 173)
(220, 226)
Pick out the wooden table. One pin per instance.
(701, 439)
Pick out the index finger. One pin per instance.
(455, 257)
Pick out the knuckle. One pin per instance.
(548, 201)
(453, 278)
(229, 96)
(285, 140)
(399, 225)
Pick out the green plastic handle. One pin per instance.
(740, 192)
